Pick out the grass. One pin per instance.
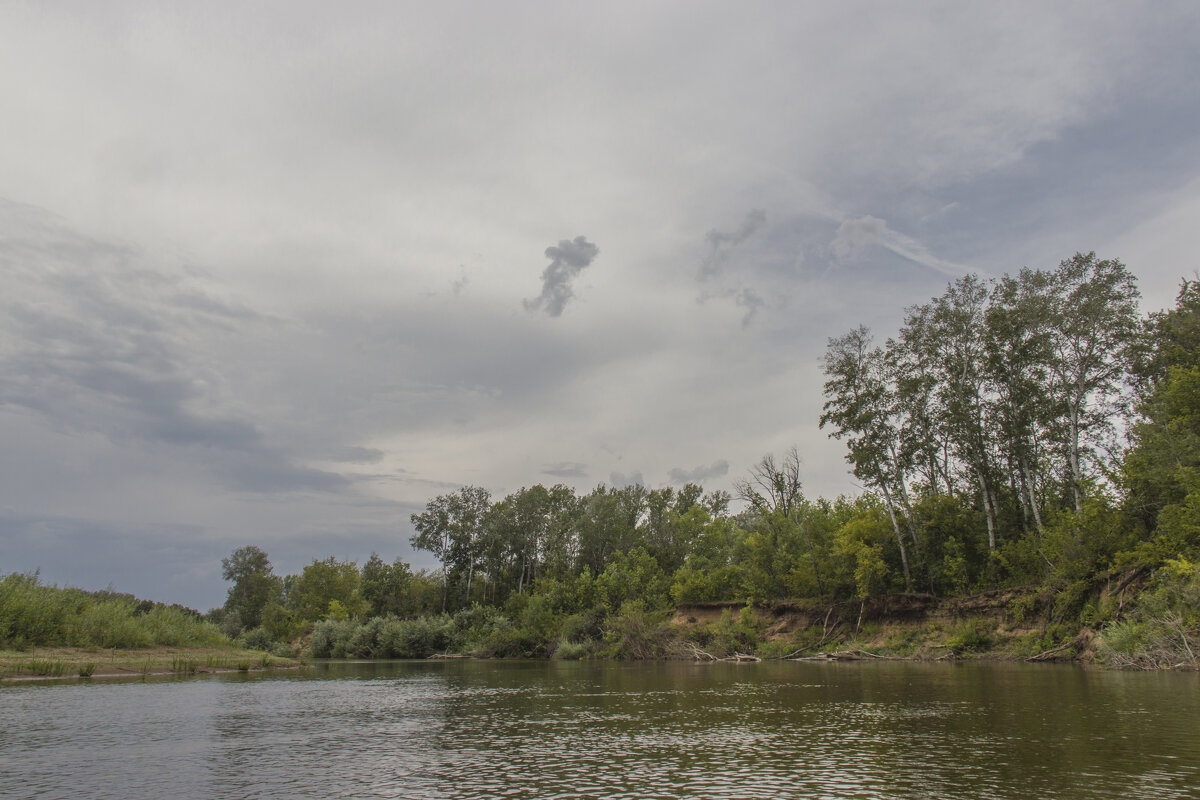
(48, 667)
(65, 662)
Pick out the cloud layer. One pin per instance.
(272, 278)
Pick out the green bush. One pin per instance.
(635, 633)
(728, 635)
(567, 650)
(1163, 629)
(331, 638)
(33, 615)
(109, 624)
(970, 635)
(255, 639)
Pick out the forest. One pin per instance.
(1030, 432)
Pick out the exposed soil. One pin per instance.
(999, 624)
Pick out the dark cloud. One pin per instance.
(567, 260)
(565, 469)
(720, 243)
(96, 342)
(717, 469)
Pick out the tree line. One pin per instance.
(1029, 429)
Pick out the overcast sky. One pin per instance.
(279, 273)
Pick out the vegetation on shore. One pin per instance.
(1029, 451)
(1029, 431)
(52, 632)
(76, 662)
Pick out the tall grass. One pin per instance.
(32, 615)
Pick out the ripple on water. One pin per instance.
(608, 731)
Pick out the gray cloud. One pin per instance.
(621, 480)
(565, 469)
(718, 469)
(854, 237)
(750, 300)
(357, 455)
(567, 260)
(97, 342)
(721, 243)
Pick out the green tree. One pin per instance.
(1161, 472)
(608, 524)
(1018, 345)
(861, 406)
(327, 589)
(254, 586)
(1095, 330)
(452, 528)
(387, 588)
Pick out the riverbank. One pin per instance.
(1000, 625)
(66, 663)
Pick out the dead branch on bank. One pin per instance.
(851, 655)
(702, 655)
(827, 634)
(1047, 653)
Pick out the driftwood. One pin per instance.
(736, 658)
(1047, 653)
(851, 655)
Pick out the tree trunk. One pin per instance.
(987, 509)
(1028, 481)
(887, 497)
(1073, 458)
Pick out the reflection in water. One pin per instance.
(523, 729)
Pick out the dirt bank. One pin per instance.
(1007, 624)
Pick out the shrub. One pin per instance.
(567, 650)
(1163, 630)
(635, 633)
(970, 636)
(109, 624)
(255, 639)
(331, 638)
(32, 615)
(417, 638)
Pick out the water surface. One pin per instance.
(544, 730)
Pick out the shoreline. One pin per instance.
(67, 663)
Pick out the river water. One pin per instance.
(610, 730)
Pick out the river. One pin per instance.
(466, 729)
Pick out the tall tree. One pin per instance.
(860, 405)
(1162, 469)
(254, 584)
(959, 327)
(451, 527)
(1094, 310)
(1017, 341)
